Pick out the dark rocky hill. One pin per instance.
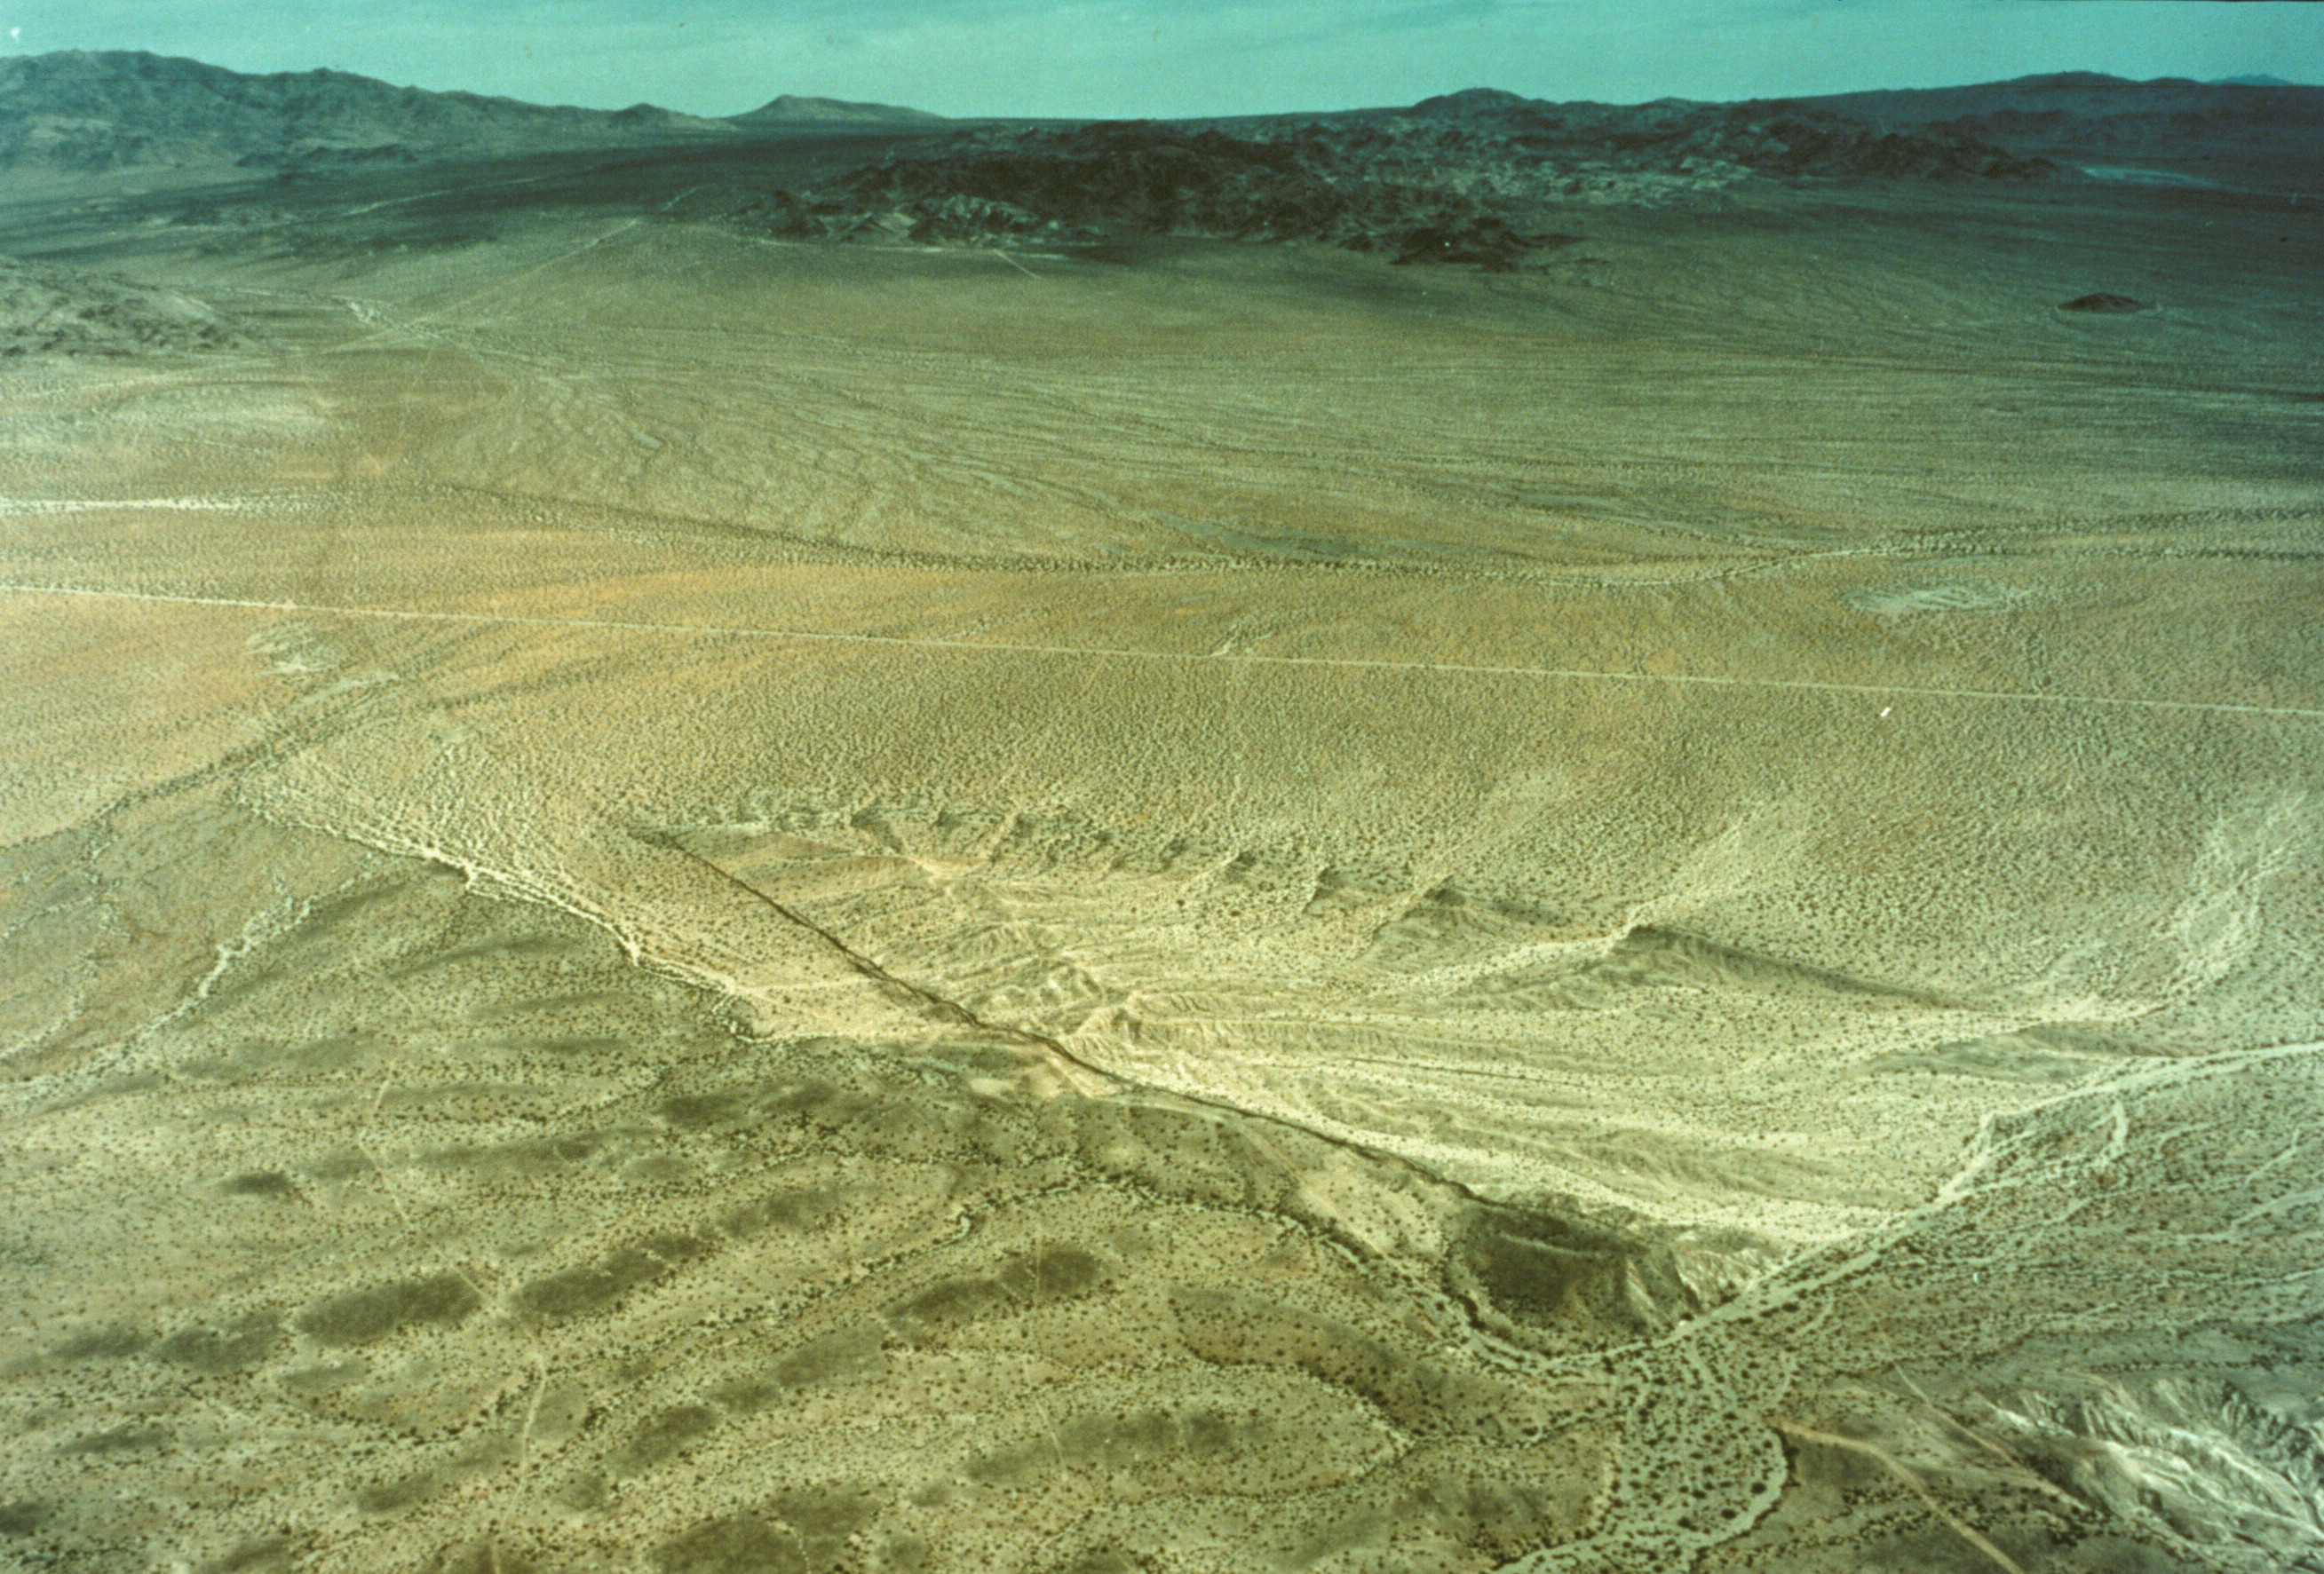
(1113, 178)
(1462, 178)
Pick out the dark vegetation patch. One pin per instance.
(949, 1303)
(526, 1157)
(701, 1111)
(1022, 1282)
(1137, 1439)
(794, 1533)
(361, 1316)
(222, 1351)
(260, 1183)
(850, 1355)
(663, 1436)
(22, 1517)
(387, 1496)
(593, 1286)
(805, 1208)
(103, 1344)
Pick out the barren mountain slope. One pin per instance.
(93, 112)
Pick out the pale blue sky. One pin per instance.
(1184, 57)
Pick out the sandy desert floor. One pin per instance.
(683, 902)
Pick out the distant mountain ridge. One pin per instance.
(127, 110)
(1781, 138)
(2275, 130)
(790, 110)
(97, 111)
(2068, 115)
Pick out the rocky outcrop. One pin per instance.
(1112, 178)
(46, 310)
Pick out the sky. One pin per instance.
(1157, 57)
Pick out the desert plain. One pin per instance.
(682, 899)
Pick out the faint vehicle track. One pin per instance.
(1220, 658)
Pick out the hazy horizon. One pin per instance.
(1081, 58)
